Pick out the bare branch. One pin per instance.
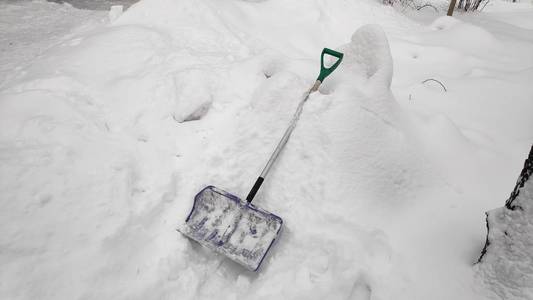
(431, 79)
(426, 5)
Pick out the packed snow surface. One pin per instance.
(29, 28)
(110, 129)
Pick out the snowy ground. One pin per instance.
(110, 128)
(30, 28)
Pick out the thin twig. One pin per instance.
(425, 5)
(431, 79)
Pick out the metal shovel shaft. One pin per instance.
(324, 72)
(289, 130)
(282, 142)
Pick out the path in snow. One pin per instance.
(97, 4)
(29, 28)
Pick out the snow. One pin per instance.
(25, 23)
(110, 128)
(506, 261)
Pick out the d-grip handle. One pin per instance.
(325, 72)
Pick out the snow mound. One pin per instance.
(506, 264)
(470, 39)
(369, 49)
(366, 116)
(135, 119)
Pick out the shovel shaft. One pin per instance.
(324, 72)
(254, 189)
(289, 130)
(282, 142)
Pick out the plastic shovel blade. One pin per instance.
(228, 225)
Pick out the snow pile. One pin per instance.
(108, 136)
(115, 12)
(507, 261)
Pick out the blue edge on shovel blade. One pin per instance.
(220, 244)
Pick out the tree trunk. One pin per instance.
(452, 6)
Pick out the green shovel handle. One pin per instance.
(325, 72)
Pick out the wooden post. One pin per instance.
(452, 6)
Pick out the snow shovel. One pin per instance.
(238, 229)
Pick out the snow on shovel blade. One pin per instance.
(228, 225)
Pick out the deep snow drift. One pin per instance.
(109, 134)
